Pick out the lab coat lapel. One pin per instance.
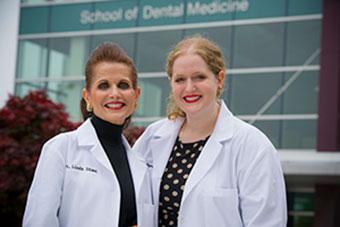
(87, 136)
(161, 147)
(212, 149)
(206, 160)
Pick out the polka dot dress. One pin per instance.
(176, 173)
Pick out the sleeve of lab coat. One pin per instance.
(262, 191)
(45, 192)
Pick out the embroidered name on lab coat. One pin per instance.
(81, 168)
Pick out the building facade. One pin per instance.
(272, 50)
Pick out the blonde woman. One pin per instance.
(207, 167)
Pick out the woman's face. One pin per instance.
(111, 94)
(194, 86)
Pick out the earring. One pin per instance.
(89, 108)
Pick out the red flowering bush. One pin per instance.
(25, 124)
(132, 133)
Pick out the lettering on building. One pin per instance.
(150, 12)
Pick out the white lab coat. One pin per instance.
(236, 181)
(74, 183)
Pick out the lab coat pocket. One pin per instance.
(146, 213)
(221, 207)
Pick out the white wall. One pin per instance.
(9, 27)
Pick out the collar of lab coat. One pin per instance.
(224, 125)
(164, 139)
(87, 136)
(223, 129)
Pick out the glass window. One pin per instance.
(125, 41)
(301, 96)
(299, 202)
(140, 123)
(153, 98)
(299, 134)
(69, 94)
(258, 45)
(221, 36)
(32, 59)
(271, 129)
(226, 93)
(303, 39)
(152, 49)
(250, 92)
(300, 221)
(67, 56)
(22, 89)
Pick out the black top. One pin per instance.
(110, 137)
(182, 159)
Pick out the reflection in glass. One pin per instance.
(125, 41)
(69, 94)
(152, 49)
(250, 92)
(270, 129)
(299, 134)
(303, 39)
(22, 89)
(302, 95)
(221, 36)
(297, 202)
(140, 123)
(258, 45)
(32, 59)
(153, 98)
(67, 56)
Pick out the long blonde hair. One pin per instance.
(207, 50)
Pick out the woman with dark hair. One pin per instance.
(89, 177)
(208, 167)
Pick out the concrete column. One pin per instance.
(329, 83)
(9, 29)
(327, 197)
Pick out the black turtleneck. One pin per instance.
(110, 137)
